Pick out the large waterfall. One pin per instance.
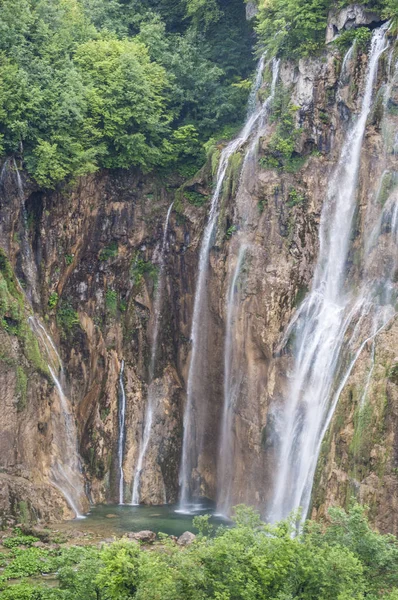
(239, 249)
(194, 427)
(65, 471)
(149, 414)
(323, 357)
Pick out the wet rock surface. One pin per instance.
(95, 247)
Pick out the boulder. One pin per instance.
(186, 539)
(146, 536)
(251, 10)
(350, 17)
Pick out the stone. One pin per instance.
(146, 536)
(186, 539)
(350, 17)
(251, 10)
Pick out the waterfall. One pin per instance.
(66, 468)
(149, 413)
(231, 388)
(225, 467)
(321, 324)
(193, 430)
(122, 432)
(28, 264)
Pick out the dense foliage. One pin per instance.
(118, 83)
(292, 28)
(341, 560)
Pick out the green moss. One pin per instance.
(361, 439)
(110, 251)
(24, 514)
(195, 198)
(232, 175)
(141, 268)
(295, 198)
(389, 180)
(21, 388)
(52, 300)
(32, 353)
(104, 413)
(67, 318)
(214, 160)
(393, 374)
(301, 294)
(111, 302)
(230, 231)
(262, 204)
(281, 151)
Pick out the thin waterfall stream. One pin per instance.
(122, 431)
(321, 324)
(194, 430)
(66, 472)
(149, 413)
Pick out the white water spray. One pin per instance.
(122, 432)
(193, 429)
(28, 264)
(157, 307)
(231, 388)
(321, 325)
(232, 377)
(66, 467)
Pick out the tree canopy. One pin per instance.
(86, 84)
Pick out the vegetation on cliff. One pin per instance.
(86, 84)
(291, 28)
(340, 559)
(91, 83)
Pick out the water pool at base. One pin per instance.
(107, 520)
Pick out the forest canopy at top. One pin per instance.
(86, 84)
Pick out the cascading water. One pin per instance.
(231, 387)
(242, 245)
(122, 432)
(28, 264)
(321, 324)
(66, 466)
(157, 307)
(194, 429)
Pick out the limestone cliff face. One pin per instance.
(95, 251)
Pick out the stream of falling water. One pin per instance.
(28, 264)
(122, 432)
(193, 429)
(321, 325)
(149, 413)
(225, 466)
(66, 467)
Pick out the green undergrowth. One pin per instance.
(67, 318)
(281, 153)
(339, 559)
(110, 251)
(141, 268)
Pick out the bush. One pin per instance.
(342, 558)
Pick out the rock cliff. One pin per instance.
(94, 257)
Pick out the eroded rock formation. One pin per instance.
(95, 246)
